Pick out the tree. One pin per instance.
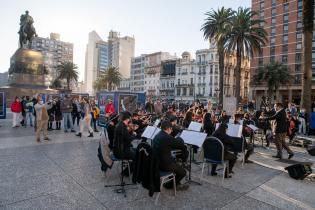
(108, 80)
(68, 71)
(307, 39)
(245, 37)
(56, 84)
(274, 75)
(214, 28)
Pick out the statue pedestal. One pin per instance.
(27, 75)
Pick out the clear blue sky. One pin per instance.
(158, 25)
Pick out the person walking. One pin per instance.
(42, 118)
(302, 121)
(16, 109)
(95, 114)
(76, 111)
(66, 109)
(86, 119)
(280, 130)
(58, 113)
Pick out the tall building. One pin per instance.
(54, 51)
(100, 55)
(137, 73)
(283, 23)
(91, 62)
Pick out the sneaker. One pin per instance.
(47, 139)
(96, 131)
(182, 187)
(248, 161)
(277, 156)
(214, 173)
(290, 156)
(73, 131)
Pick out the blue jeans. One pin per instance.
(67, 120)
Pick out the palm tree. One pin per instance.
(108, 80)
(307, 38)
(68, 71)
(274, 75)
(214, 28)
(56, 83)
(245, 37)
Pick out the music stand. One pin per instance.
(189, 138)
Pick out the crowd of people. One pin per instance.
(277, 123)
(47, 116)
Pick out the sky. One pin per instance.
(157, 25)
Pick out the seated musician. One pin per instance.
(122, 140)
(227, 141)
(176, 128)
(249, 147)
(163, 144)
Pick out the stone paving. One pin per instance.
(65, 174)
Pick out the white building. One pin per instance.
(54, 52)
(100, 55)
(124, 85)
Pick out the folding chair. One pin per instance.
(214, 154)
(123, 162)
(166, 176)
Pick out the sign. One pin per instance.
(229, 105)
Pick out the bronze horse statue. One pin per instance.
(27, 31)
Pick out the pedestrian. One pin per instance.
(51, 114)
(76, 111)
(66, 109)
(42, 118)
(23, 103)
(312, 124)
(86, 118)
(16, 109)
(29, 110)
(58, 113)
(302, 121)
(95, 114)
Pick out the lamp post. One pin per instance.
(217, 91)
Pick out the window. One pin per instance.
(273, 12)
(272, 50)
(299, 36)
(262, 14)
(178, 81)
(284, 59)
(285, 38)
(261, 62)
(300, 3)
(298, 68)
(313, 56)
(272, 40)
(273, 31)
(286, 8)
(285, 29)
(297, 57)
(272, 59)
(298, 46)
(285, 48)
(191, 91)
(178, 91)
(273, 21)
(262, 5)
(286, 18)
(299, 14)
(184, 91)
(191, 81)
(298, 25)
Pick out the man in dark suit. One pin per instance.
(122, 140)
(163, 144)
(280, 118)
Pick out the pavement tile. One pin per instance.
(245, 203)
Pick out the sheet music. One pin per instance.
(193, 137)
(254, 128)
(233, 130)
(150, 132)
(194, 126)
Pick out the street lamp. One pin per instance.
(217, 90)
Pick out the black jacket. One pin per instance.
(163, 144)
(226, 140)
(122, 140)
(146, 169)
(281, 121)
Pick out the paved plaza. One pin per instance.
(65, 174)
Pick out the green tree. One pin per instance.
(108, 80)
(273, 75)
(68, 71)
(245, 37)
(56, 84)
(307, 39)
(214, 29)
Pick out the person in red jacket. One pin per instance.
(109, 108)
(16, 109)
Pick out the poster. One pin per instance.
(128, 102)
(103, 100)
(2, 106)
(229, 105)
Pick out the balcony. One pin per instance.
(202, 73)
(201, 84)
(184, 73)
(184, 85)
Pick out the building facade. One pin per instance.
(54, 52)
(137, 73)
(152, 72)
(100, 55)
(283, 23)
(167, 79)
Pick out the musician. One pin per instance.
(122, 140)
(176, 128)
(227, 141)
(163, 144)
(187, 120)
(207, 124)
